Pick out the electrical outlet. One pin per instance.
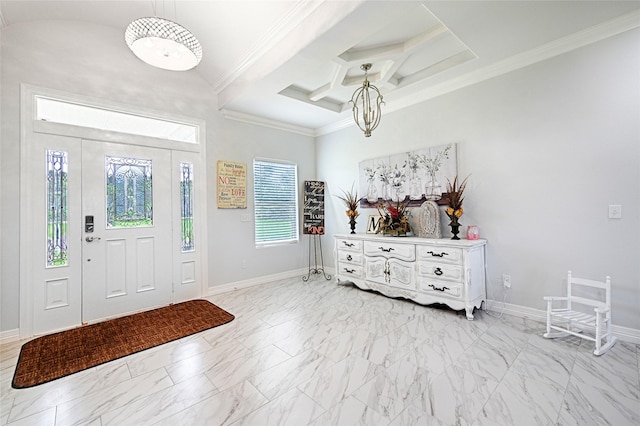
(243, 264)
(615, 211)
(506, 280)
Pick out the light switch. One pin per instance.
(615, 211)
(244, 218)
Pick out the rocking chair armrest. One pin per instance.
(601, 310)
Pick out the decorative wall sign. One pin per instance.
(410, 176)
(373, 224)
(232, 185)
(313, 214)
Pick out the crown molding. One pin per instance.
(338, 125)
(266, 122)
(546, 51)
(549, 50)
(297, 14)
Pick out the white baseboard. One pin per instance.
(237, 285)
(627, 334)
(9, 336)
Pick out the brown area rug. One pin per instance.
(57, 355)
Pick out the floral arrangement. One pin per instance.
(398, 177)
(433, 164)
(384, 173)
(351, 201)
(413, 161)
(454, 198)
(371, 173)
(395, 219)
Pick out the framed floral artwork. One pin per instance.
(414, 176)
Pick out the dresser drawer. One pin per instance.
(346, 269)
(441, 271)
(390, 250)
(437, 287)
(350, 257)
(350, 245)
(440, 254)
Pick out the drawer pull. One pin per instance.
(438, 271)
(349, 271)
(349, 257)
(386, 250)
(348, 244)
(438, 254)
(438, 289)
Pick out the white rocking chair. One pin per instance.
(566, 320)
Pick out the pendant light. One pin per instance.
(365, 113)
(163, 43)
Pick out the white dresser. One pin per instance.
(424, 270)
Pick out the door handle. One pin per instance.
(92, 239)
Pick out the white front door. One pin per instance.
(112, 229)
(127, 233)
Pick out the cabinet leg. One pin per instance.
(469, 313)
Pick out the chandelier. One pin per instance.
(365, 113)
(163, 44)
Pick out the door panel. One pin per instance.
(126, 268)
(56, 285)
(187, 271)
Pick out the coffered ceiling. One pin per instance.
(295, 64)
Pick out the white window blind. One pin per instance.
(275, 195)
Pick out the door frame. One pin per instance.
(29, 127)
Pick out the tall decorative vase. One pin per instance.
(395, 193)
(372, 192)
(415, 193)
(433, 189)
(352, 223)
(386, 191)
(455, 227)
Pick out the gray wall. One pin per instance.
(548, 148)
(94, 61)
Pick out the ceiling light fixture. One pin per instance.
(163, 44)
(369, 118)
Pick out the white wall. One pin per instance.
(231, 241)
(548, 148)
(94, 61)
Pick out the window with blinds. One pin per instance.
(275, 195)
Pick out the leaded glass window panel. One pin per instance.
(129, 192)
(186, 206)
(57, 207)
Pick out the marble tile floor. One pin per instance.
(318, 354)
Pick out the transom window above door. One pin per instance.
(65, 112)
